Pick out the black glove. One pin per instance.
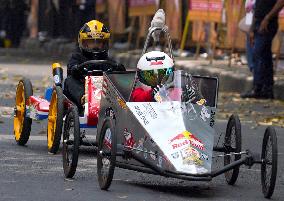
(156, 89)
(191, 94)
(160, 94)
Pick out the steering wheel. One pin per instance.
(97, 67)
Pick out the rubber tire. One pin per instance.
(234, 121)
(70, 167)
(268, 190)
(59, 120)
(26, 130)
(105, 180)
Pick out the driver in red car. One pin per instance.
(152, 68)
(155, 70)
(93, 44)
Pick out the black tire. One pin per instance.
(55, 120)
(106, 153)
(22, 123)
(71, 142)
(269, 158)
(232, 144)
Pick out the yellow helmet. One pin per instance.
(94, 37)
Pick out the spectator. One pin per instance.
(16, 20)
(85, 10)
(249, 6)
(3, 23)
(263, 30)
(65, 19)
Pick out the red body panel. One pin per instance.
(94, 98)
(39, 104)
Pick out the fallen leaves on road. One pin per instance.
(269, 121)
(259, 112)
(9, 95)
(4, 77)
(6, 111)
(17, 77)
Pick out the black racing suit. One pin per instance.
(74, 87)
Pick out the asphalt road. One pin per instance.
(30, 173)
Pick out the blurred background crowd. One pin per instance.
(209, 25)
(42, 18)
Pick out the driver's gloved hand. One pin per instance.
(155, 93)
(189, 94)
(156, 90)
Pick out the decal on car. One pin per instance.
(212, 121)
(129, 140)
(145, 153)
(175, 155)
(139, 147)
(190, 111)
(141, 114)
(150, 110)
(160, 161)
(191, 156)
(121, 102)
(201, 102)
(204, 113)
(153, 143)
(107, 138)
(153, 155)
(185, 139)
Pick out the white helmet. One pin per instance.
(153, 67)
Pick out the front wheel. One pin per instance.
(233, 145)
(106, 158)
(55, 120)
(71, 142)
(22, 123)
(269, 162)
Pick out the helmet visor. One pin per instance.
(154, 77)
(95, 45)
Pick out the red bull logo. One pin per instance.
(188, 138)
(177, 137)
(183, 135)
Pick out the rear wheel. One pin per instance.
(71, 142)
(106, 158)
(55, 120)
(269, 162)
(233, 144)
(22, 123)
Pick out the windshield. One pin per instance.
(179, 86)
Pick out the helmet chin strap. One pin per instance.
(95, 55)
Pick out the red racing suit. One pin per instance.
(142, 95)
